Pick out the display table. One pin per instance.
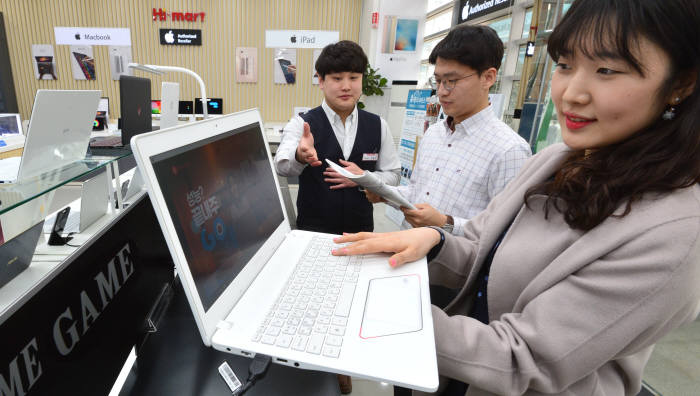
(175, 361)
(69, 321)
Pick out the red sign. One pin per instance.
(162, 15)
(375, 19)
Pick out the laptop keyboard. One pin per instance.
(312, 311)
(106, 141)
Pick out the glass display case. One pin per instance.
(24, 207)
(27, 202)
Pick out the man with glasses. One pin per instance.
(465, 160)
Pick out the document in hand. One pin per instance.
(374, 184)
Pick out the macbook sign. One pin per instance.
(92, 36)
(180, 37)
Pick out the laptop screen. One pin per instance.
(223, 201)
(10, 124)
(135, 102)
(155, 106)
(214, 106)
(185, 107)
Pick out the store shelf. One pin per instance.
(15, 195)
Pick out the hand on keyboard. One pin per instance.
(408, 245)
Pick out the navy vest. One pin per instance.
(343, 210)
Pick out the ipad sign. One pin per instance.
(180, 37)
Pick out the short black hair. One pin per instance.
(343, 56)
(476, 46)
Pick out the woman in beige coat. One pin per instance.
(592, 253)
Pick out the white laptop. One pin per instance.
(10, 125)
(169, 102)
(58, 134)
(94, 203)
(219, 205)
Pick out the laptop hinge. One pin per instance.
(224, 325)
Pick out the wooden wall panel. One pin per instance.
(228, 24)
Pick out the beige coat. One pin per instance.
(572, 312)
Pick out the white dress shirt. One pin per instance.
(458, 173)
(388, 166)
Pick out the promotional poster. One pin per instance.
(119, 59)
(285, 66)
(82, 62)
(247, 64)
(44, 62)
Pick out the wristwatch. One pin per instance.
(449, 224)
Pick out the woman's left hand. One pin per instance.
(409, 245)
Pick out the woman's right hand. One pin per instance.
(408, 245)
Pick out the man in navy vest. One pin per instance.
(337, 130)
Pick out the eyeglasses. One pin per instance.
(449, 85)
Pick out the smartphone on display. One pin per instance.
(288, 75)
(61, 217)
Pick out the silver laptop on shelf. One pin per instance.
(94, 198)
(58, 134)
(133, 186)
(256, 286)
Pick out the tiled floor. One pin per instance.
(673, 370)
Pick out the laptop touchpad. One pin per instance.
(393, 306)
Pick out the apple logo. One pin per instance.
(465, 12)
(169, 37)
(293, 39)
(77, 36)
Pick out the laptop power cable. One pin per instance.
(256, 370)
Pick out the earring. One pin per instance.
(669, 114)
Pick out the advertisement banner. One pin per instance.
(285, 66)
(247, 64)
(92, 36)
(300, 38)
(471, 9)
(400, 43)
(119, 59)
(82, 62)
(411, 133)
(44, 62)
(180, 37)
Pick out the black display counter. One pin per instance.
(174, 361)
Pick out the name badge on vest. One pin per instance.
(370, 156)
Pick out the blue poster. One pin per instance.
(417, 99)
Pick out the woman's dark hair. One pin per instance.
(475, 46)
(591, 186)
(343, 56)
